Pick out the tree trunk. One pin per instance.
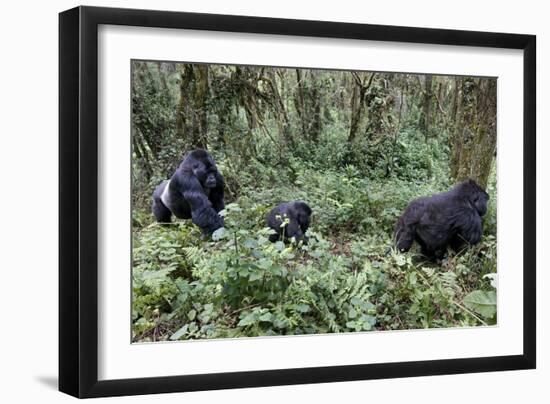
(454, 105)
(359, 90)
(278, 106)
(456, 121)
(425, 116)
(308, 103)
(191, 117)
(183, 113)
(475, 142)
(315, 119)
(299, 99)
(199, 101)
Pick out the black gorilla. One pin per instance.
(450, 218)
(297, 213)
(195, 192)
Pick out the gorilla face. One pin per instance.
(477, 195)
(303, 212)
(480, 202)
(210, 181)
(206, 173)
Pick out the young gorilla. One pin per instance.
(297, 213)
(449, 218)
(194, 192)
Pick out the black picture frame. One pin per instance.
(78, 201)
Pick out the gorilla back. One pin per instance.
(449, 218)
(195, 191)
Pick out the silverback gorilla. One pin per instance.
(298, 214)
(450, 218)
(195, 192)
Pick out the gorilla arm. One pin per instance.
(293, 229)
(470, 228)
(202, 211)
(216, 194)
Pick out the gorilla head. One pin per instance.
(296, 215)
(195, 192)
(449, 218)
(478, 197)
(203, 167)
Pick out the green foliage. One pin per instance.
(347, 278)
(278, 136)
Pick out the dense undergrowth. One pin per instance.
(347, 278)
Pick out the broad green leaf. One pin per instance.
(482, 302)
(267, 317)
(179, 333)
(250, 243)
(370, 320)
(247, 320)
(218, 234)
(254, 276)
(280, 323)
(302, 308)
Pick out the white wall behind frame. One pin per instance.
(28, 341)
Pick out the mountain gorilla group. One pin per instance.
(449, 219)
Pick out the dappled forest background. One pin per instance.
(357, 147)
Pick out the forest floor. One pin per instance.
(347, 278)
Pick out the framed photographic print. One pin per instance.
(251, 201)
